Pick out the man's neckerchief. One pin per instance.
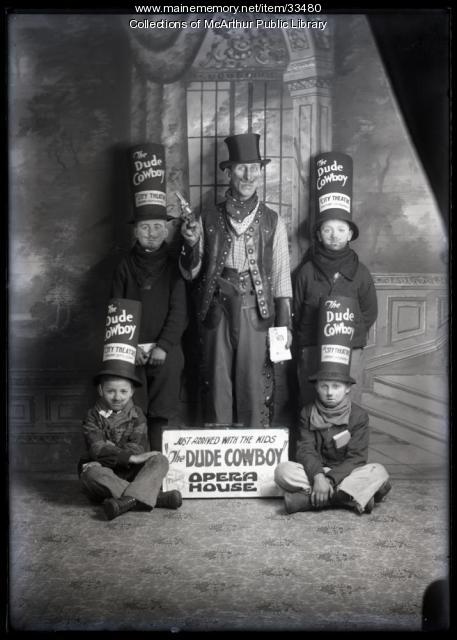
(239, 209)
(329, 262)
(147, 266)
(323, 417)
(238, 228)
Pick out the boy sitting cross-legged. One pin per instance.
(332, 450)
(118, 468)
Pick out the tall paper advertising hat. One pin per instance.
(336, 327)
(122, 329)
(333, 171)
(148, 182)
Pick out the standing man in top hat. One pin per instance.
(238, 257)
(149, 274)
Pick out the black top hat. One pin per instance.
(328, 374)
(119, 370)
(243, 149)
(148, 182)
(333, 171)
(336, 327)
(122, 329)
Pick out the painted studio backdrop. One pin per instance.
(83, 88)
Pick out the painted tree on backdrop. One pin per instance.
(66, 123)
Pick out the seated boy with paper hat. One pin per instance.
(331, 467)
(331, 267)
(118, 468)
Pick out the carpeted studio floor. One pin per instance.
(238, 564)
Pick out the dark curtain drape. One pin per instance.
(415, 50)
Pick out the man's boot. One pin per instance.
(297, 501)
(169, 499)
(113, 507)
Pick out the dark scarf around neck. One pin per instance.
(147, 266)
(330, 262)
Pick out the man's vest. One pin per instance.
(259, 245)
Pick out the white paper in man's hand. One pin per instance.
(147, 347)
(278, 340)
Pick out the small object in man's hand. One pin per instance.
(187, 214)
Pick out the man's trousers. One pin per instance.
(237, 374)
(159, 396)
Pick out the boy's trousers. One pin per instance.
(101, 482)
(159, 395)
(361, 484)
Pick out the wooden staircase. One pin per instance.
(413, 408)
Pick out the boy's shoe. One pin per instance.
(297, 501)
(382, 491)
(368, 508)
(169, 499)
(113, 507)
(342, 499)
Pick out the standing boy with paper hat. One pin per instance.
(118, 468)
(331, 467)
(149, 273)
(238, 257)
(331, 267)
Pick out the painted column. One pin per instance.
(153, 112)
(308, 77)
(174, 137)
(137, 105)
